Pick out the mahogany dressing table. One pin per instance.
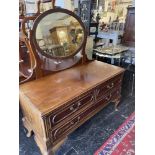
(55, 105)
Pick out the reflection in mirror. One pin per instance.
(59, 34)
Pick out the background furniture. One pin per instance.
(128, 62)
(27, 61)
(33, 8)
(28, 64)
(93, 30)
(113, 35)
(85, 12)
(113, 52)
(56, 33)
(55, 105)
(129, 30)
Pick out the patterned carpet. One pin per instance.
(122, 141)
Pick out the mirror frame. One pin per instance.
(60, 10)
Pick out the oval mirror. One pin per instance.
(58, 33)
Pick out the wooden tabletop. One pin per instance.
(51, 92)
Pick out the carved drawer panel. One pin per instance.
(74, 106)
(69, 126)
(108, 86)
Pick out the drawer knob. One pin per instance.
(79, 103)
(71, 108)
(110, 86)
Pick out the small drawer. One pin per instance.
(107, 86)
(59, 132)
(82, 117)
(73, 107)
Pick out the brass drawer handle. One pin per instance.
(110, 86)
(92, 99)
(97, 92)
(73, 108)
(108, 98)
(74, 123)
(76, 106)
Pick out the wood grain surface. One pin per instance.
(50, 92)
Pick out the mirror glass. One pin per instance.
(59, 34)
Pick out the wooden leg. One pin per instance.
(42, 146)
(27, 126)
(48, 150)
(117, 101)
(57, 146)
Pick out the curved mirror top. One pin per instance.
(59, 34)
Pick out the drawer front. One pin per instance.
(107, 86)
(75, 122)
(72, 108)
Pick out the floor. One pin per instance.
(91, 135)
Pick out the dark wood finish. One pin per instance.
(75, 105)
(59, 132)
(55, 105)
(129, 30)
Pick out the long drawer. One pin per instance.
(74, 106)
(69, 126)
